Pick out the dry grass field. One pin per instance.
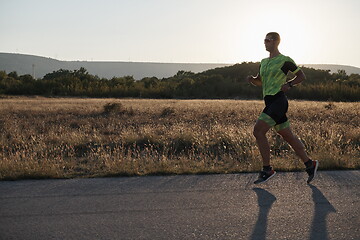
(67, 137)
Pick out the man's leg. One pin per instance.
(260, 130)
(298, 146)
(295, 143)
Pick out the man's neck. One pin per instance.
(274, 53)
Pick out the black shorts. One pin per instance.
(275, 110)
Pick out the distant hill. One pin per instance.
(23, 64)
(333, 68)
(29, 64)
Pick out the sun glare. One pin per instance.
(292, 28)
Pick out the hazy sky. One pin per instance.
(191, 31)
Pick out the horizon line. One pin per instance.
(159, 62)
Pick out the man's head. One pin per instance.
(272, 41)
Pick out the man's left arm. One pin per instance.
(299, 75)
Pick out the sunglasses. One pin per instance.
(267, 40)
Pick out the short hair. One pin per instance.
(274, 36)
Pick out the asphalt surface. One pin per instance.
(183, 207)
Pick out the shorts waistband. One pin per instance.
(271, 98)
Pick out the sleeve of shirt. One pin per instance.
(290, 65)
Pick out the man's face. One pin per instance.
(270, 43)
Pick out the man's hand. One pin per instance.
(249, 78)
(256, 81)
(285, 87)
(300, 76)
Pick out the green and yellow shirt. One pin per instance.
(273, 73)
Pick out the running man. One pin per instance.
(272, 78)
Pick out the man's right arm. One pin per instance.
(256, 81)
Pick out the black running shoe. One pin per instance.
(312, 171)
(265, 176)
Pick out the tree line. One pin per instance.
(224, 82)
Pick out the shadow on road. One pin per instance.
(322, 208)
(265, 201)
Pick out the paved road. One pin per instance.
(183, 207)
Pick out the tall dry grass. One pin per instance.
(65, 138)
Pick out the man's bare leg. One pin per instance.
(295, 143)
(260, 130)
(298, 146)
